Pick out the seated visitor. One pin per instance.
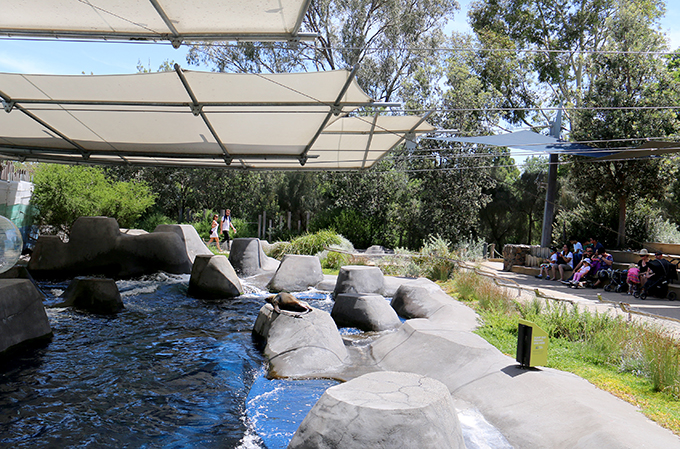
(604, 261)
(633, 279)
(643, 265)
(587, 253)
(577, 251)
(582, 271)
(565, 262)
(596, 245)
(548, 264)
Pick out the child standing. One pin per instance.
(633, 279)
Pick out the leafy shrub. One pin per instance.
(149, 222)
(62, 193)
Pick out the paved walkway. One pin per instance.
(588, 298)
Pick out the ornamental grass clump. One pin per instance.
(662, 356)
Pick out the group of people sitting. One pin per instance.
(574, 264)
(580, 261)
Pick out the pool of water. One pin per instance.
(169, 371)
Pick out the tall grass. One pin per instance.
(598, 338)
(315, 245)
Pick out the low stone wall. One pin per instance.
(515, 255)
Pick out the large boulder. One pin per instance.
(359, 279)
(248, 258)
(299, 345)
(364, 311)
(22, 314)
(97, 247)
(213, 277)
(296, 273)
(382, 410)
(96, 295)
(192, 241)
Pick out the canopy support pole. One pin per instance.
(336, 109)
(197, 109)
(551, 193)
(370, 139)
(176, 39)
(7, 100)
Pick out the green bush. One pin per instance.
(62, 193)
(149, 222)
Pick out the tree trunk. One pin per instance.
(621, 238)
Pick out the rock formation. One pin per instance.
(97, 247)
(213, 277)
(367, 312)
(248, 258)
(359, 279)
(299, 344)
(296, 273)
(96, 295)
(382, 410)
(22, 314)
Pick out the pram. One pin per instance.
(619, 281)
(657, 285)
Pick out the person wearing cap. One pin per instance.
(643, 264)
(585, 268)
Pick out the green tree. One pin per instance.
(62, 193)
(626, 89)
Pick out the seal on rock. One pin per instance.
(285, 302)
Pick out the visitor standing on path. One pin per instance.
(226, 224)
(213, 233)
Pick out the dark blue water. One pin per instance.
(169, 371)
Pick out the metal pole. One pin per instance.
(549, 209)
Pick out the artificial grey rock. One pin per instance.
(365, 312)
(359, 279)
(382, 410)
(299, 345)
(97, 247)
(192, 241)
(95, 295)
(213, 277)
(296, 273)
(567, 411)
(248, 258)
(22, 314)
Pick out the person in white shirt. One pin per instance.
(225, 225)
(565, 262)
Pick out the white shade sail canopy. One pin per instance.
(185, 118)
(173, 20)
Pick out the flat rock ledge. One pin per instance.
(359, 279)
(95, 295)
(22, 315)
(299, 345)
(296, 273)
(213, 277)
(382, 410)
(367, 312)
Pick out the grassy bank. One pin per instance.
(634, 361)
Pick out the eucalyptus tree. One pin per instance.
(388, 38)
(626, 104)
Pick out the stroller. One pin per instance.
(618, 281)
(663, 273)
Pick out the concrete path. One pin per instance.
(588, 298)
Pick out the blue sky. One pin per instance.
(101, 58)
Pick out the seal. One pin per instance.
(288, 303)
